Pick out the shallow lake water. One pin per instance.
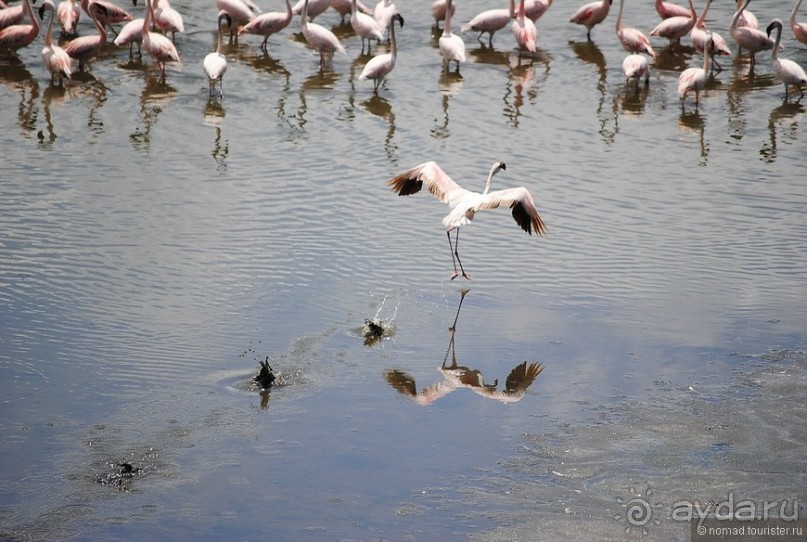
(156, 245)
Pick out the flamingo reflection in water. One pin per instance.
(455, 376)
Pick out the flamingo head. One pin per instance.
(774, 23)
(398, 17)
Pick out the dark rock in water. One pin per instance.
(266, 378)
(373, 329)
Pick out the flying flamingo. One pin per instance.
(56, 60)
(379, 66)
(668, 9)
(451, 45)
(636, 67)
(11, 15)
(111, 14)
(131, 33)
(167, 18)
(18, 36)
(85, 48)
(751, 39)
(788, 71)
(591, 15)
(675, 28)
(343, 7)
(383, 12)
(534, 9)
(157, 46)
(632, 39)
(240, 13)
(68, 15)
(365, 26)
(438, 10)
(490, 21)
(215, 63)
(319, 37)
(524, 30)
(698, 37)
(267, 24)
(694, 79)
(465, 203)
(799, 29)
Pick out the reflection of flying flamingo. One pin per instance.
(365, 26)
(636, 67)
(632, 39)
(788, 71)
(694, 79)
(465, 203)
(675, 28)
(698, 37)
(157, 46)
(18, 36)
(451, 45)
(56, 60)
(267, 24)
(591, 14)
(666, 10)
(68, 15)
(85, 48)
(524, 30)
(752, 39)
(215, 63)
(379, 66)
(799, 29)
(319, 37)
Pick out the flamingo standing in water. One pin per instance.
(85, 48)
(788, 71)
(17, 36)
(111, 14)
(490, 21)
(633, 40)
(751, 39)
(320, 38)
(68, 15)
(315, 7)
(131, 33)
(698, 36)
(666, 10)
(167, 18)
(694, 79)
(383, 12)
(438, 10)
(799, 29)
(380, 66)
(239, 11)
(636, 67)
(451, 45)
(465, 203)
(524, 30)
(365, 26)
(56, 60)
(267, 24)
(11, 15)
(747, 18)
(215, 63)
(157, 46)
(534, 9)
(343, 7)
(675, 28)
(591, 14)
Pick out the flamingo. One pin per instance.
(17, 36)
(524, 30)
(698, 37)
(668, 9)
(319, 37)
(636, 67)
(365, 26)
(167, 18)
(111, 14)
(694, 79)
(157, 46)
(11, 15)
(215, 63)
(131, 33)
(632, 39)
(383, 12)
(674, 28)
(799, 29)
(56, 60)
(343, 7)
(267, 24)
(380, 66)
(465, 203)
(788, 71)
(239, 11)
(534, 9)
(747, 18)
(315, 7)
(438, 10)
(592, 14)
(68, 15)
(84, 48)
(490, 21)
(752, 39)
(451, 45)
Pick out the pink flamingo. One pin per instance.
(451, 45)
(534, 9)
(788, 71)
(799, 29)
(694, 79)
(524, 30)
(215, 63)
(381, 65)
(84, 48)
(633, 40)
(465, 203)
(157, 46)
(167, 18)
(747, 18)
(111, 14)
(56, 60)
(315, 7)
(343, 7)
(320, 38)
(68, 15)
(438, 11)
(668, 9)
(698, 36)
(751, 39)
(17, 36)
(636, 67)
(240, 13)
(490, 21)
(383, 12)
(365, 26)
(592, 14)
(130, 34)
(675, 28)
(267, 24)
(11, 15)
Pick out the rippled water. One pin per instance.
(155, 245)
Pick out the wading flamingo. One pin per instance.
(383, 12)
(267, 24)
(379, 66)
(438, 10)
(342, 7)
(534, 9)
(698, 36)
(799, 29)
(157, 46)
(215, 63)
(747, 18)
(365, 26)
(315, 7)
(524, 31)
(633, 40)
(68, 14)
(751, 39)
(240, 14)
(451, 45)
(167, 18)
(320, 38)
(465, 203)
(636, 68)
(694, 79)
(788, 71)
(666, 10)
(56, 60)
(131, 33)
(591, 14)
(675, 28)
(11, 15)
(490, 21)
(85, 48)
(17, 36)
(111, 14)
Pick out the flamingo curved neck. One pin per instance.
(492, 172)
(793, 13)
(774, 51)
(736, 18)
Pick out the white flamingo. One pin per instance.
(591, 14)
(215, 63)
(56, 60)
(267, 24)
(365, 26)
(381, 65)
(320, 38)
(636, 68)
(451, 45)
(383, 12)
(465, 203)
(694, 79)
(788, 71)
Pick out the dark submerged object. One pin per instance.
(373, 329)
(266, 378)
